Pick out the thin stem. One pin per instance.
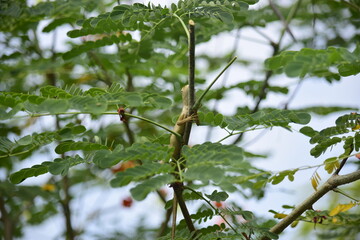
(154, 123)
(105, 113)
(264, 35)
(345, 194)
(98, 62)
(240, 132)
(183, 25)
(291, 15)
(263, 91)
(215, 209)
(164, 224)
(292, 96)
(226, 77)
(281, 17)
(352, 5)
(198, 102)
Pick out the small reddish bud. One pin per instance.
(218, 204)
(121, 112)
(127, 202)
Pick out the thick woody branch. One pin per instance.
(333, 182)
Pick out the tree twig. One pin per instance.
(65, 203)
(129, 88)
(226, 77)
(281, 17)
(276, 46)
(333, 182)
(97, 61)
(215, 209)
(198, 101)
(343, 162)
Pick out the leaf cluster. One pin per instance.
(328, 137)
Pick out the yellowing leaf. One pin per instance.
(341, 208)
(356, 127)
(85, 78)
(331, 164)
(294, 224)
(48, 187)
(314, 183)
(315, 179)
(280, 215)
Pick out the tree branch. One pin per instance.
(6, 220)
(129, 88)
(178, 190)
(98, 62)
(191, 80)
(343, 162)
(333, 182)
(65, 203)
(178, 186)
(281, 17)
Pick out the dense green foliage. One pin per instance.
(134, 56)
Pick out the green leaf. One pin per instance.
(56, 23)
(146, 152)
(159, 102)
(62, 165)
(217, 196)
(308, 131)
(325, 110)
(322, 146)
(279, 177)
(316, 62)
(203, 215)
(267, 118)
(54, 92)
(324, 139)
(94, 105)
(212, 153)
(34, 171)
(54, 106)
(139, 173)
(58, 166)
(30, 143)
(204, 173)
(25, 140)
(74, 146)
(143, 189)
(218, 119)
